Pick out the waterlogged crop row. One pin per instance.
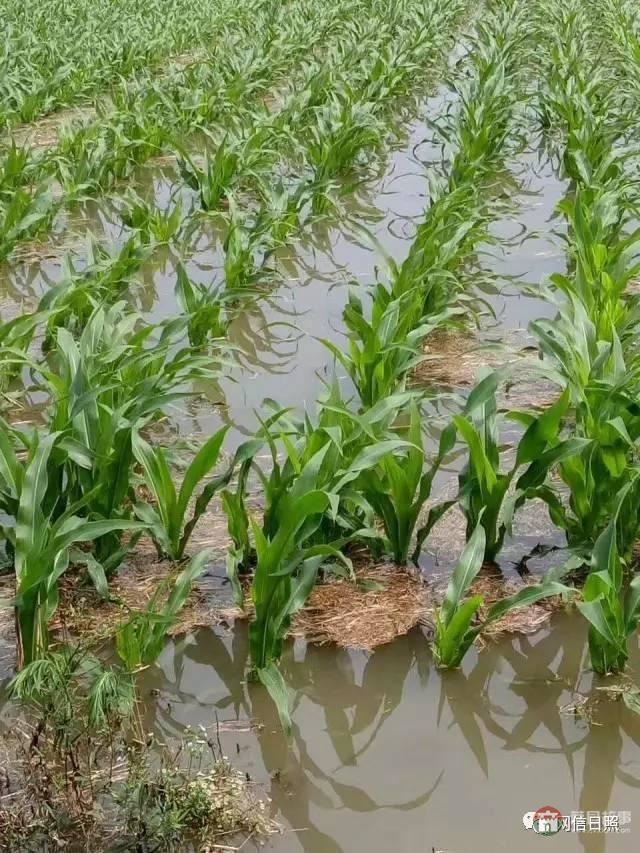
(106, 377)
(590, 348)
(270, 174)
(143, 118)
(428, 288)
(58, 54)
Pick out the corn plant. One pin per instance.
(285, 572)
(397, 486)
(345, 129)
(141, 639)
(40, 538)
(24, 214)
(235, 160)
(204, 307)
(603, 258)
(167, 520)
(104, 281)
(457, 620)
(602, 386)
(110, 382)
(385, 349)
(483, 486)
(151, 223)
(612, 611)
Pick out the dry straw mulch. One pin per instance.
(384, 603)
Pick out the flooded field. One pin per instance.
(415, 343)
(389, 753)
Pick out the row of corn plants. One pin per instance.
(589, 348)
(376, 493)
(274, 200)
(141, 117)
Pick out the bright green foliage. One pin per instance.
(40, 537)
(141, 639)
(167, 519)
(24, 213)
(385, 349)
(344, 129)
(397, 486)
(104, 281)
(204, 308)
(103, 386)
(234, 160)
(603, 258)
(457, 623)
(603, 390)
(153, 224)
(613, 613)
(286, 568)
(483, 487)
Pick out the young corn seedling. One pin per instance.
(345, 129)
(204, 307)
(111, 381)
(39, 536)
(235, 160)
(23, 215)
(602, 385)
(246, 248)
(104, 281)
(483, 487)
(457, 620)
(142, 638)
(384, 350)
(612, 611)
(153, 224)
(286, 570)
(603, 258)
(397, 486)
(167, 519)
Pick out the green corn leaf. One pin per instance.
(632, 606)
(455, 637)
(466, 570)
(203, 462)
(543, 431)
(523, 598)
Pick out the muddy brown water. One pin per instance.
(387, 754)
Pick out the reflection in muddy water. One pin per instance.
(389, 754)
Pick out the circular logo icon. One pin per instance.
(547, 821)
